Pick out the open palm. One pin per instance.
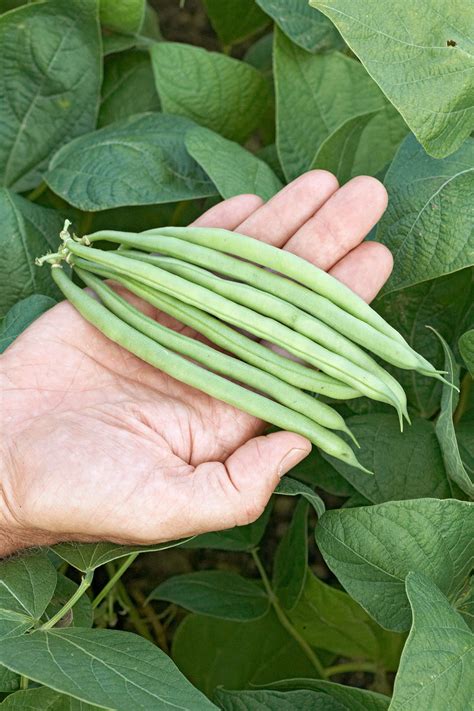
(98, 445)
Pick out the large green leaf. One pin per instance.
(372, 549)
(421, 55)
(237, 655)
(43, 699)
(21, 315)
(291, 559)
(50, 76)
(216, 154)
(406, 465)
(138, 161)
(428, 223)
(466, 348)
(28, 231)
(27, 584)
(300, 700)
(126, 16)
(308, 107)
(309, 29)
(118, 670)
(240, 538)
(217, 593)
(216, 91)
(352, 698)
(437, 664)
(330, 619)
(128, 87)
(89, 556)
(235, 20)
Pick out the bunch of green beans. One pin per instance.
(297, 307)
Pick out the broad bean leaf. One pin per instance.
(444, 304)
(128, 87)
(114, 43)
(445, 426)
(352, 698)
(260, 56)
(141, 160)
(291, 559)
(235, 20)
(118, 670)
(89, 556)
(466, 348)
(232, 168)
(217, 593)
(9, 681)
(428, 223)
(28, 231)
(437, 664)
(293, 487)
(330, 619)
(240, 538)
(218, 92)
(52, 51)
(371, 550)
(421, 55)
(43, 699)
(80, 615)
(307, 28)
(21, 315)
(308, 108)
(406, 465)
(27, 584)
(300, 700)
(236, 655)
(126, 16)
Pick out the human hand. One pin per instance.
(98, 445)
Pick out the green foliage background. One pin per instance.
(104, 120)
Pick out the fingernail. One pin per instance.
(290, 460)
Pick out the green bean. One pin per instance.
(397, 353)
(262, 326)
(194, 375)
(216, 361)
(280, 310)
(250, 351)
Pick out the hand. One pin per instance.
(98, 445)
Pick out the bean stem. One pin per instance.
(84, 585)
(113, 580)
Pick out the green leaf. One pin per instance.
(22, 315)
(89, 556)
(328, 618)
(300, 700)
(293, 487)
(232, 168)
(9, 681)
(28, 231)
(352, 698)
(113, 44)
(128, 87)
(80, 615)
(421, 55)
(108, 668)
(260, 56)
(445, 426)
(406, 465)
(316, 471)
(43, 699)
(235, 20)
(218, 92)
(466, 347)
(27, 584)
(308, 29)
(428, 223)
(240, 538)
(217, 593)
(236, 655)
(437, 664)
(308, 108)
(372, 549)
(291, 559)
(138, 161)
(126, 16)
(49, 84)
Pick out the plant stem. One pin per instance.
(85, 584)
(24, 681)
(114, 579)
(463, 398)
(351, 667)
(85, 222)
(139, 624)
(283, 619)
(39, 190)
(152, 618)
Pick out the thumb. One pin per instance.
(248, 478)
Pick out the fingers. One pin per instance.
(365, 269)
(286, 212)
(229, 213)
(341, 223)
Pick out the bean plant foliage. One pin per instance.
(351, 592)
